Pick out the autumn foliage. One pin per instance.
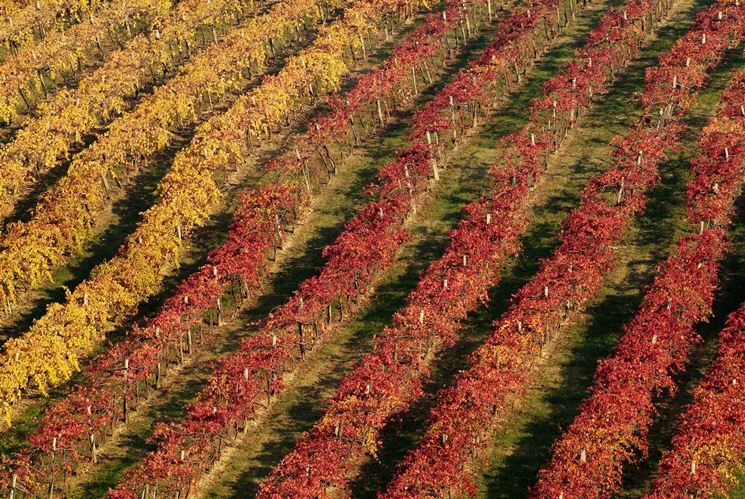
(250, 108)
(65, 440)
(708, 447)
(62, 123)
(26, 23)
(115, 390)
(501, 369)
(64, 220)
(354, 260)
(33, 70)
(49, 352)
(390, 379)
(611, 427)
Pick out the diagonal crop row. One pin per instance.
(48, 353)
(610, 428)
(30, 74)
(377, 221)
(67, 438)
(98, 98)
(61, 224)
(708, 447)
(257, 372)
(331, 137)
(462, 421)
(75, 427)
(390, 379)
(26, 23)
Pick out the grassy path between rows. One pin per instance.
(336, 203)
(123, 213)
(462, 182)
(523, 446)
(195, 249)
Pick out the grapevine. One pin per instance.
(66, 440)
(49, 352)
(111, 396)
(708, 450)
(389, 379)
(35, 71)
(67, 118)
(361, 253)
(611, 425)
(61, 224)
(466, 412)
(27, 24)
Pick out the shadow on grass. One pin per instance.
(403, 433)
(305, 406)
(527, 440)
(346, 200)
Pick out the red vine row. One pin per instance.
(332, 136)
(501, 369)
(611, 426)
(246, 381)
(69, 433)
(708, 447)
(390, 378)
(62, 444)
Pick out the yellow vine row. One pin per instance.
(33, 71)
(64, 120)
(50, 351)
(64, 217)
(25, 23)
